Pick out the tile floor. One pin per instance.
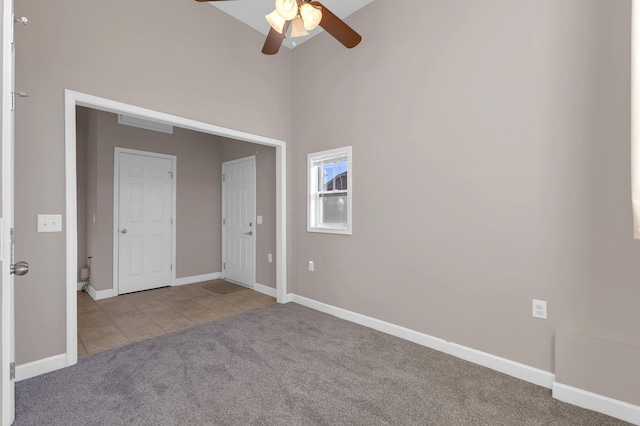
(118, 321)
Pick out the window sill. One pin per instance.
(328, 230)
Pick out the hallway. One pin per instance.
(118, 321)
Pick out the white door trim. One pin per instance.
(7, 213)
(252, 158)
(116, 210)
(73, 99)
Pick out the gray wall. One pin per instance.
(198, 194)
(199, 160)
(491, 150)
(491, 154)
(164, 55)
(265, 203)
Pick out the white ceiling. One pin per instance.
(252, 12)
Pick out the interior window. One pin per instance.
(329, 186)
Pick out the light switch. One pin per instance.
(259, 220)
(49, 223)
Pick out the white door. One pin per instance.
(238, 220)
(8, 337)
(144, 229)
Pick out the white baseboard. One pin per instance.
(593, 401)
(100, 294)
(42, 366)
(105, 294)
(264, 289)
(197, 279)
(503, 365)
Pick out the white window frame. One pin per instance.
(313, 195)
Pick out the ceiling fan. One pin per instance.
(302, 16)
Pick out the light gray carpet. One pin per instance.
(285, 365)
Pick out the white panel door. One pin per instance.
(6, 224)
(239, 211)
(144, 222)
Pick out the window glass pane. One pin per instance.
(334, 176)
(333, 209)
(329, 191)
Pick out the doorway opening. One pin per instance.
(74, 99)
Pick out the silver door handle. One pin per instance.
(20, 268)
(248, 233)
(124, 231)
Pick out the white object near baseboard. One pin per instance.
(261, 288)
(100, 294)
(593, 401)
(41, 366)
(197, 279)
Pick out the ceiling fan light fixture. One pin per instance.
(276, 21)
(311, 16)
(287, 9)
(297, 28)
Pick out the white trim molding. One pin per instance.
(73, 99)
(197, 279)
(264, 289)
(100, 294)
(315, 164)
(584, 399)
(7, 322)
(593, 401)
(635, 117)
(503, 365)
(41, 366)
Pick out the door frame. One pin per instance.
(251, 158)
(116, 210)
(6, 307)
(73, 99)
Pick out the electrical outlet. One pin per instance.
(270, 257)
(259, 220)
(539, 309)
(312, 266)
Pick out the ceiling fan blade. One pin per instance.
(337, 27)
(274, 40)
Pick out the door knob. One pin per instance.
(248, 233)
(20, 268)
(124, 231)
